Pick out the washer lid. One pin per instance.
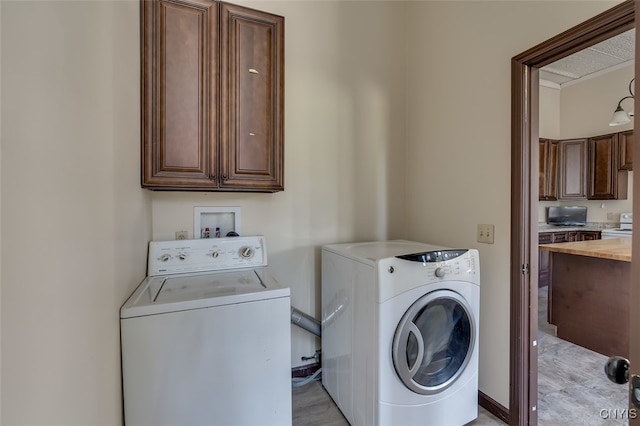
(180, 292)
(180, 288)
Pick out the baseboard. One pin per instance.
(493, 407)
(305, 370)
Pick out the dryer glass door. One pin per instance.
(434, 341)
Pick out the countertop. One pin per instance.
(615, 249)
(554, 228)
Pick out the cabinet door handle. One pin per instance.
(214, 177)
(253, 71)
(224, 177)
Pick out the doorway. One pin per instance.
(524, 190)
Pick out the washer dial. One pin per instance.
(247, 252)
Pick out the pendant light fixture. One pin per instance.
(620, 116)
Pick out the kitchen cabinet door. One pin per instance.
(251, 143)
(548, 180)
(543, 255)
(179, 80)
(573, 236)
(543, 259)
(572, 157)
(589, 235)
(212, 97)
(625, 150)
(606, 182)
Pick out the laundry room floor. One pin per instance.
(312, 406)
(572, 388)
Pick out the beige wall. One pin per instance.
(458, 139)
(344, 147)
(75, 221)
(585, 109)
(396, 126)
(549, 113)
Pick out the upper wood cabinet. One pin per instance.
(548, 181)
(606, 182)
(212, 97)
(572, 157)
(625, 150)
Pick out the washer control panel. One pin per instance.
(208, 254)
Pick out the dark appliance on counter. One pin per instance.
(567, 215)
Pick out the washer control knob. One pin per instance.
(440, 273)
(247, 252)
(182, 256)
(165, 257)
(215, 254)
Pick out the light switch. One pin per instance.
(485, 233)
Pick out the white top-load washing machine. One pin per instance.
(206, 337)
(400, 332)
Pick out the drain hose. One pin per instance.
(301, 381)
(305, 321)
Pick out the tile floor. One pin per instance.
(572, 388)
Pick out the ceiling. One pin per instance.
(609, 55)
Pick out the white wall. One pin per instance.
(75, 221)
(458, 139)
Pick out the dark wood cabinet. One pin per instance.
(558, 237)
(625, 150)
(572, 158)
(548, 181)
(590, 235)
(606, 182)
(212, 97)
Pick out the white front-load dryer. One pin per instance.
(400, 332)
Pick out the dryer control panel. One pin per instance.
(215, 254)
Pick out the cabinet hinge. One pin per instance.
(525, 269)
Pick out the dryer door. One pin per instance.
(434, 341)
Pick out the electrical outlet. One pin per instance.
(485, 233)
(182, 235)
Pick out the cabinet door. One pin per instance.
(589, 235)
(603, 169)
(625, 150)
(179, 81)
(560, 237)
(548, 180)
(252, 64)
(573, 169)
(545, 238)
(543, 259)
(573, 236)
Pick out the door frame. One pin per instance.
(523, 374)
